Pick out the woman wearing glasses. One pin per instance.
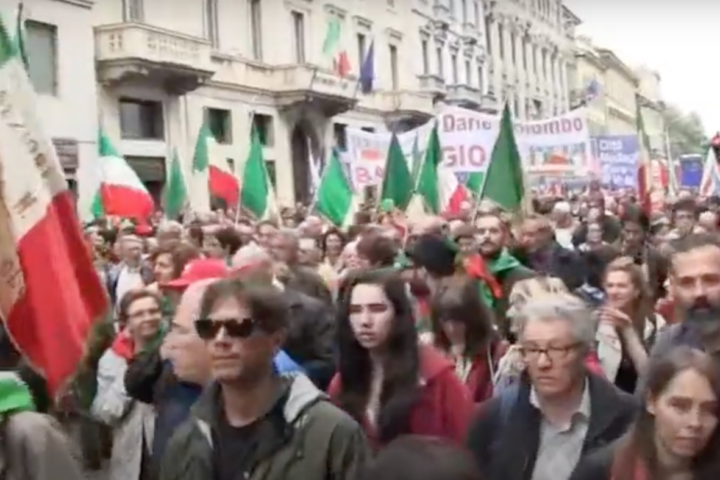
(386, 381)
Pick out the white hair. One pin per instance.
(251, 254)
(559, 307)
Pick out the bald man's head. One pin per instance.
(183, 347)
(253, 262)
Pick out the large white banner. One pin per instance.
(556, 147)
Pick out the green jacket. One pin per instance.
(303, 436)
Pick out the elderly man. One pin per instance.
(285, 248)
(131, 272)
(310, 337)
(559, 411)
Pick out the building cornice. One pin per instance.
(614, 62)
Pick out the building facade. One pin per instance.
(62, 67)
(530, 44)
(150, 73)
(652, 107)
(607, 86)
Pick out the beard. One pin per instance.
(702, 315)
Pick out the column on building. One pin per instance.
(563, 81)
(494, 76)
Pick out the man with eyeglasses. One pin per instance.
(541, 427)
(251, 422)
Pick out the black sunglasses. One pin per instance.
(207, 328)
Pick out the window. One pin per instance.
(464, 6)
(394, 66)
(454, 66)
(141, 119)
(368, 129)
(391, 3)
(476, 8)
(256, 28)
(211, 17)
(272, 173)
(451, 7)
(299, 30)
(263, 125)
(501, 41)
(425, 56)
(41, 45)
(523, 51)
(219, 122)
(440, 63)
(361, 45)
(480, 75)
(133, 11)
(468, 73)
(340, 136)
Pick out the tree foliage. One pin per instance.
(685, 131)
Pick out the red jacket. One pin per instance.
(444, 409)
(479, 380)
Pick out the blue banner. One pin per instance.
(619, 156)
(691, 171)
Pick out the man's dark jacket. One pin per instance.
(506, 447)
(311, 336)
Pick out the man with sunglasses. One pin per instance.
(250, 422)
(310, 338)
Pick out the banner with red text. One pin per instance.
(552, 149)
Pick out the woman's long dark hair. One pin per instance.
(401, 368)
(639, 442)
(460, 301)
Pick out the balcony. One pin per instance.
(464, 96)
(441, 16)
(138, 54)
(303, 85)
(470, 33)
(434, 85)
(404, 110)
(490, 103)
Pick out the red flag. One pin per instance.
(50, 292)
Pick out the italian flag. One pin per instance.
(335, 198)
(257, 196)
(332, 48)
(119, 191)
(175, 193)
(437, 190)
(222, 181)
(50, 293)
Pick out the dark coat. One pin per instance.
(611, 231)
(309, 282)
(556, 261)
(310, 337)
(509, 451)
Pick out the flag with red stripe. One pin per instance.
(50, 292)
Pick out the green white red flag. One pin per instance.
(119, 192)
(50, 293)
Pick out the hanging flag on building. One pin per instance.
(332, 47)
(367, 70)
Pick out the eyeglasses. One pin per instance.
(207, 328)
(553, 353)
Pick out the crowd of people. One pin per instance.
(578, 342)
